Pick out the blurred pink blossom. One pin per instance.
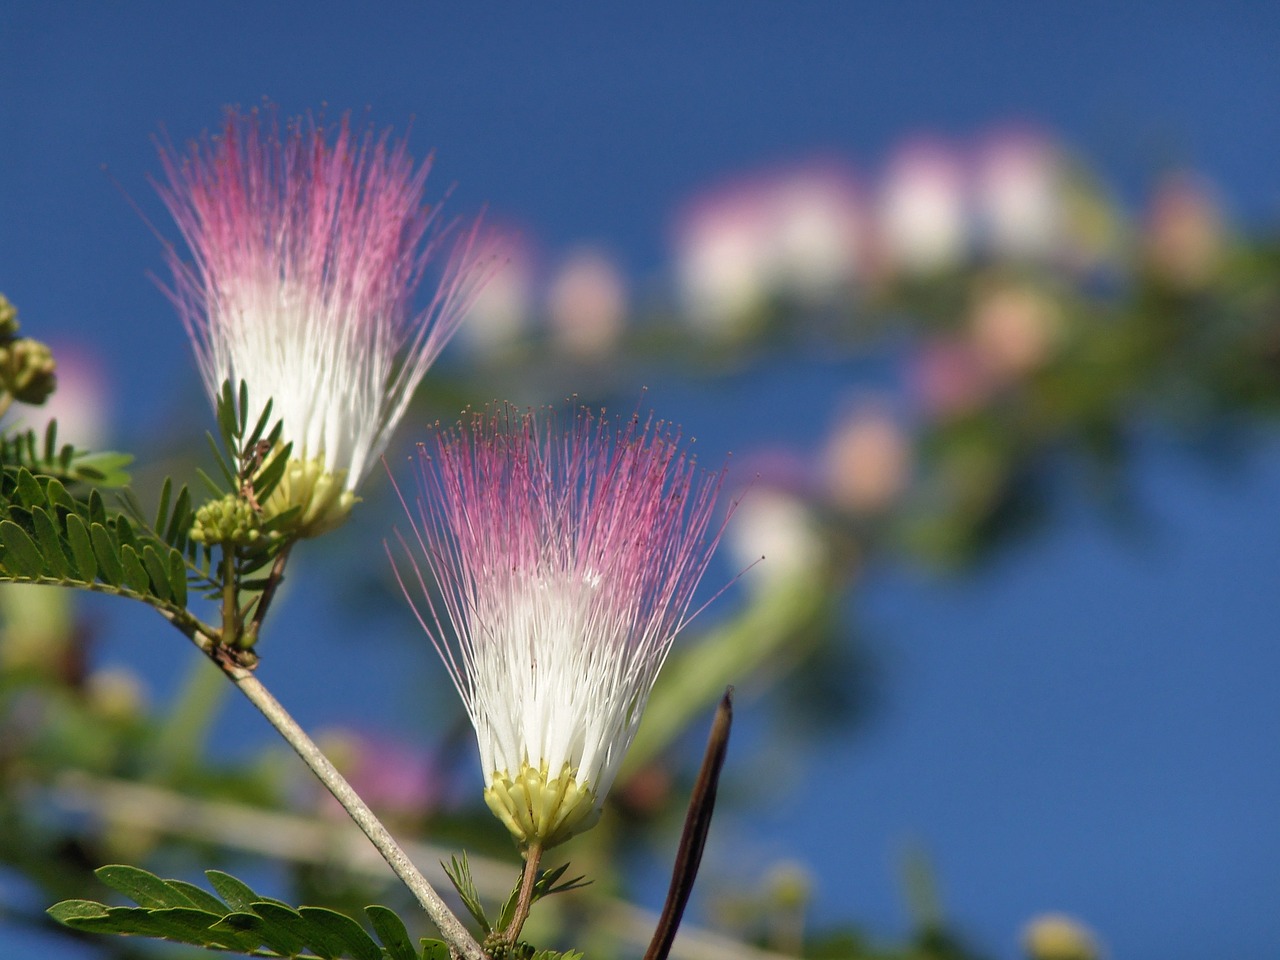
(948, 378)
(587, 304)
(1014, 330)
(796, 231)
(1185, 230)
(393, 778)
(866, 463)
(503, 308)
(81, 403)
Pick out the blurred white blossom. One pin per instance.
(921, 212)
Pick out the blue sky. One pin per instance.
(1087, 725)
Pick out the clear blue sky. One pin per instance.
(1090, 725)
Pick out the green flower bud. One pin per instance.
(8, 318)
(231, 521)
(27, 370)
(1055, 936)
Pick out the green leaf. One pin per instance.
(269, 477)
(225, 412)
(194, 926)
(135, 574)
(143, 888)
(57, 496)
(104, 549)
(125, 533)
(21, 556)
(459, 873)
(543, 886)
(104, 469)
(183, 924)
(391, 931)
(290, 922)
(245, 923)
(261, 425)
(97, 508)
(198, 897)
(250, 926)
(51, 439)
(71, 910)
(51, 548)
(162, 511)
(435, 950)
(177, 578)
(81, 548)
(238, 894)
(342, 930)
(180, 519)
(242, 409)
(157, 572)
(30, 493)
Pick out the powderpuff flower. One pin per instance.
(923, 221)
(797, 232)
(308, 245)
(1020, 195)
(566, 557)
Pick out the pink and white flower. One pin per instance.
(308, 245)
(566, 556)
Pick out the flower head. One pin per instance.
(308, 245)
(566, 557)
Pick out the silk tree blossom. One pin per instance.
(566, 557)
(308, 245)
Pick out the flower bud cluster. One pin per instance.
(231, 521)
(26, 365)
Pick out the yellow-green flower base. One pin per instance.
(537, 809)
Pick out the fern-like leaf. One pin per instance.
(237, 919)
(48, 536)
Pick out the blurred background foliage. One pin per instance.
(1009, 326)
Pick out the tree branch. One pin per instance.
(450, 926)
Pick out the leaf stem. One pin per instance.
(450, 927)
(532, 856)
(230, 597)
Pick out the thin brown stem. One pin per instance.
(696, 824)
(532, 856)
(451, 928)
(268, 593)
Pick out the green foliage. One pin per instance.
(42, 456)
(250, 461)
(49, 536)
(459, 873)
(242, 921)
(547, 883)
(544, 886)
